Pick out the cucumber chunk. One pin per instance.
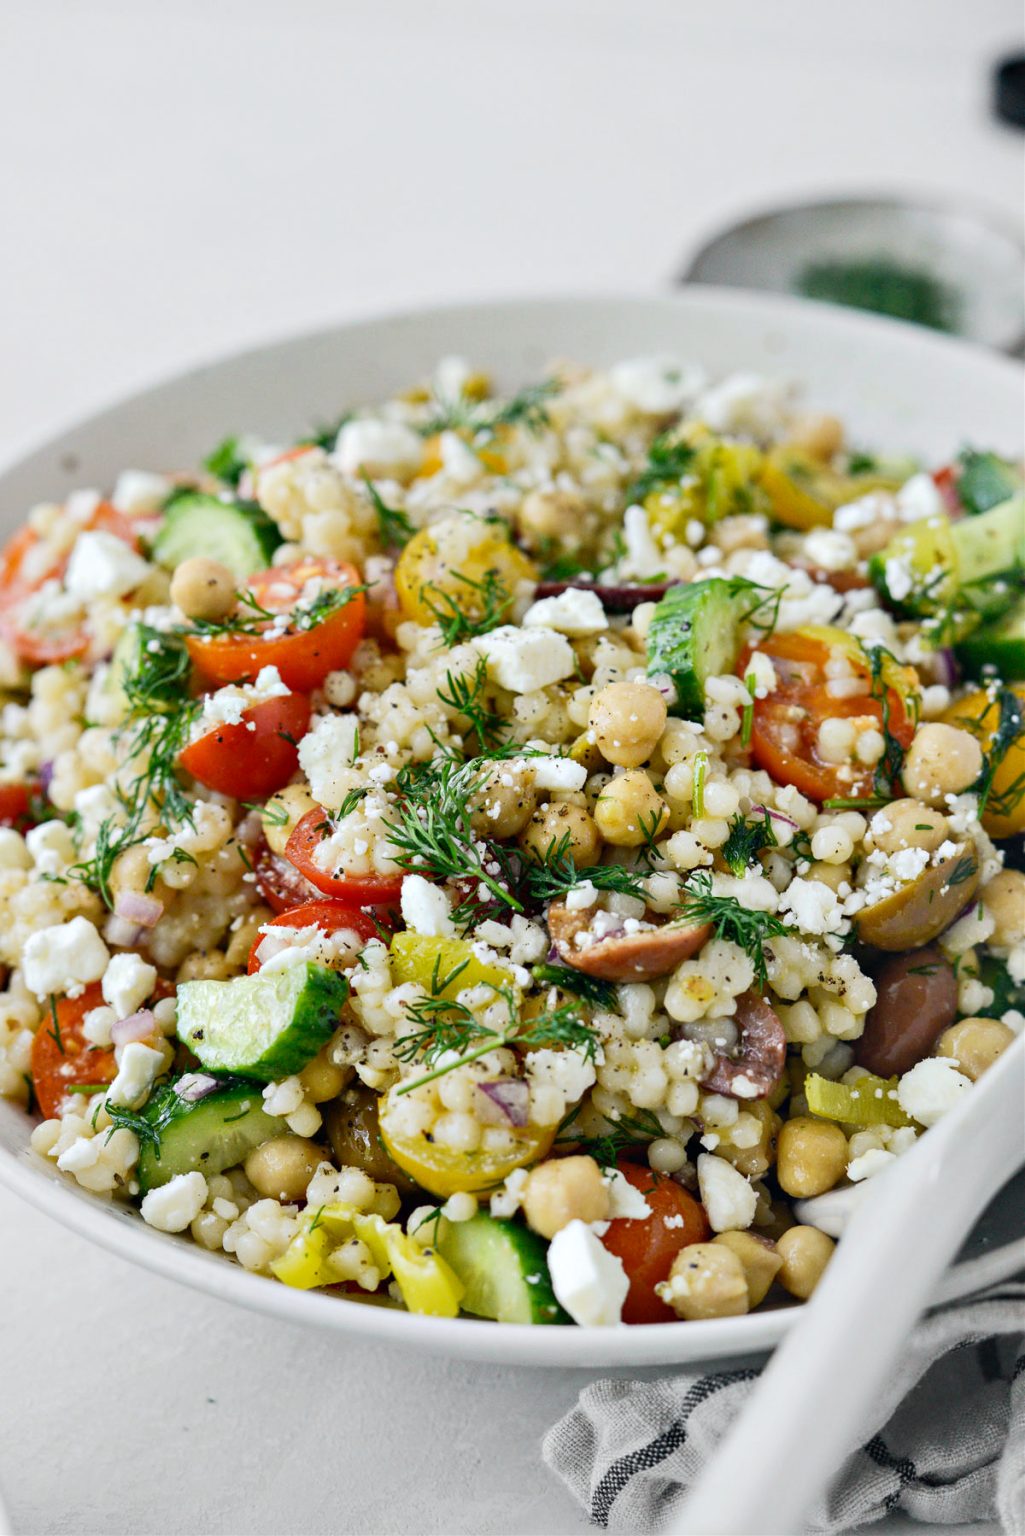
(504, 1269)
(1007, 993)
(237, 533)
(695, 635)
(197, 1123)
(996, 650)
(267, 1025)
(928, 564)
(985, 480)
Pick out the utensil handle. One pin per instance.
(815, 1395)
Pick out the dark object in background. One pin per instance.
(1009, 90)
(884, 286)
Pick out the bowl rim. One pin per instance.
(123, 1232)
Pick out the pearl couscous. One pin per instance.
(514, 855)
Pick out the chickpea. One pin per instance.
(203, 588)
(941, 760)
(818, 435)
(630, 811)
(505, 801)
(281, 813)
(812, 1156)
(551, 823)
(805, 1252)
(1004, 900)
(562, 1190)
(552, 514)
(974, 1044)
(206, 965)
(627, 720)
(908, 824)
(282, 1167)
(759, 1258)
(323, 1079)
(706, 1280)
(245, 935)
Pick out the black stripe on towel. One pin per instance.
(647, 1456)
(904, 1467)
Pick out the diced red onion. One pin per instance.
(946, 668)
(122, 934)
(510, 1096)
(777, 816)
(45, 778)
(195, 1086)
(137, 1026)
(145, 911)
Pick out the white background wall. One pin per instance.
(180, 178)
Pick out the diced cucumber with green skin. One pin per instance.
(695, 635)
(208, 1134)
(985, 481)
(504, 1268)
(996, 650)
(1007, 993)
(927, 564)
(268, 1025)
(237, 533)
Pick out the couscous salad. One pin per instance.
(514, 855)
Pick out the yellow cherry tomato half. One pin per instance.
(460, 566)
(444, 1171)
(979, 712)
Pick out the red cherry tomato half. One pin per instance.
(254, 758)
(647, 1247)
(363, 890)
(303, 657)
(785, 728)
(280, 883)
(329, 916)
(62, 1057)
(16, 806)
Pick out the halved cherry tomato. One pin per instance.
(785, 729)
(442, 1170)
(945, 481)
(280, 883)
(303, 657)
(16, 806)
(364, 890)
(254, 758)
(63, 1058)
(329, 916)
(647, 1247)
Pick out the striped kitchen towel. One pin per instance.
(946, 1445)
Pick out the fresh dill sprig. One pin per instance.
(746, 840)
(887, 771)
(1010, 730)
(251, 617)
(147, 1130)
(458, 623)
(590, 989)
(55, 1032)
(606, 1149)
(558, 873)
(226, 462)
(481, 419)
(352, 799)
(748, 928)
(669, 459)
(393, 526)
(466, 696)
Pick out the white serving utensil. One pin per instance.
(814, 1398)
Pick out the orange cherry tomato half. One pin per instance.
(364, 890)
(280, 883)
(303, 657)
(785, 728)
(63, 1058)
(647, 1247)
(252, 759)
(329, 916)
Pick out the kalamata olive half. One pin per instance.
(921, 910)
(916, 999)
(623, 956)
(354, 1133)
(761, 1053)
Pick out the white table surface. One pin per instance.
(194, 175)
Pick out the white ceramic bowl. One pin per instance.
(897, 387)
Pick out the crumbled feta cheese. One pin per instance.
(51, 845)
(523, 660)
(917, 498)
(228, 705)
(657, 386)
(745, 402)
(813, 907)
(378, 448)
(127, 982)
(874, 1161)
(102, 565)
(174, 1205)
(590, 1282)
(728, 1198)
(581, 896)
(458, 460)
(624, 1199)
(326, 754)
(139, 1068)
(830, 549)
(931, 1089)
(558, 773)
(506, 1201)
(643, 557)
(426, 909)
(64, 958)
(137, 490)
(573, 612)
